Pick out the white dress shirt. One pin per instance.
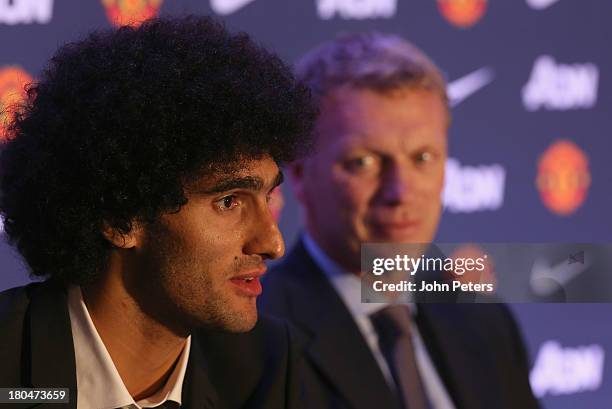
(348, 287)
(98, 382)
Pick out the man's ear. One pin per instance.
(122, 240)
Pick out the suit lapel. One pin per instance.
(198, 392)
(458, 355)
(50, 347)
(334, 343)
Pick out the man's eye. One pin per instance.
(227, 203)
(423, 157)
(360, 163)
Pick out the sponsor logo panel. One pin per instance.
(130, 12)
(471, 189)
(227, 7)
(462, 13)
(563, 177)
(541, 4)
(460, 89)
(560, 87)
(562, 370)
(26, 11)
(13, 80)
(356, 9)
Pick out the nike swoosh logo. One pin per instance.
(541, 4)
(546, 279)
(226, 7)
(461, 88)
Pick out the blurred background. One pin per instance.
(530, 140)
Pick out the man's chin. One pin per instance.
(243, 323)
(244, 327)
(234, 319)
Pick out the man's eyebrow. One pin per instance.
(253, 183)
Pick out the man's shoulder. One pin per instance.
(14, 305)
(268, 335)
(251, 369)
(491, 314)
(270, 329)
(487, 323)
(279, 277)
(14, 302)
(291, 285)
(483, 310)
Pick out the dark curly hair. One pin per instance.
(121, 120)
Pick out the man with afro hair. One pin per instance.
(135, 181)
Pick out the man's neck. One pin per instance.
(143, 351)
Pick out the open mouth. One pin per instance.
(248, 284)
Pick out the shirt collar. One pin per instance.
(346, 284)
(98, 381)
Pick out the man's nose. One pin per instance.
(265, 239)
(397, 185)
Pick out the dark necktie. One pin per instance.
(393, 325)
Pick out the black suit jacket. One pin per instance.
(477, 349)
(224, 370)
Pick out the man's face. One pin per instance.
(203, 262)
(377, 172)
